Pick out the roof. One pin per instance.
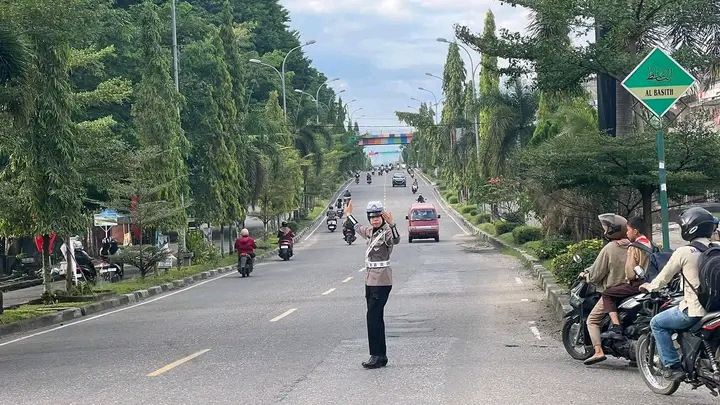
(422, 206)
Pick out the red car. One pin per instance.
(423, 222)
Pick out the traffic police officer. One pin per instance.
(381, 236)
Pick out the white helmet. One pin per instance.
(615, 226)
(374, 209)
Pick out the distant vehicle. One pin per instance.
(399, 179)
(423, 222)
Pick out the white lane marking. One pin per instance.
(439, 201)
(535, 332)
(83, 320)
(347, 279)
(313, 231)
(177, 363)
(518, 280)
(329, 291)
(283, 315)
(361, 270)
(524, 300)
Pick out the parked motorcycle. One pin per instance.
(349, 235)
(245, 265)
(633, 317)
(332, 225)
(285, 251)
(699, 345)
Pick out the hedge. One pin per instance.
(502, 227)
(483, 218)
(524, 234)
(566, 270)
(552, 247)
(453, 200)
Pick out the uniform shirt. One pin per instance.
(608, 270)
(381, 276)
(685, 259)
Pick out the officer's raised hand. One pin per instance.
(387, 216)
(349, 208)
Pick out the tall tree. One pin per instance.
(156, 115)
(489, 77)
(453, 86)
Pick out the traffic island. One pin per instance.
(28, 317)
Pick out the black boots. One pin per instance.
(375, 362)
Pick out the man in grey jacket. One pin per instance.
(381, 236)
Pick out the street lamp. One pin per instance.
(436, 102)
(283, 73)
(317, 97)
(474, 97)
(351, 114)
(307, 94)
(432, 75)
(259, 62)
(332, 99)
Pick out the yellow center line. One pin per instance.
(176, 363)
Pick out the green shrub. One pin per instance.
(487, 227)
(468, 209)
(503, 227)
(533, 246)
(566, 270)
(202, 252)
(453, 200)
(474, 212)
(484, 218)
(524, 234)
(552, 247)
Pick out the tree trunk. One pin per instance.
(222, 240)
(624, 114)
(47, 280)
(647, 193)
(69, 268)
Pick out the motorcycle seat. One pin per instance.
(710, 317)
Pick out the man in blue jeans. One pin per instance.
(696, 227)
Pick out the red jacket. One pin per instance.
(245, 244)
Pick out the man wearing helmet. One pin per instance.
(696, 227)
(607, 271)
(381, 236)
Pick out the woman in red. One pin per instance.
(245, 244)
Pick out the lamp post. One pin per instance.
(351, 114)
(474, 97)
(432, 75)
(317, 97)
(436, 102)
(331, 100)
(283, 74)
(259, 62)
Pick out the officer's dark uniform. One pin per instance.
(378, 280)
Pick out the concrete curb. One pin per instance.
(70, 313)
(556, 295)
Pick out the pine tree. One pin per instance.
(489, 76)
(156, 114)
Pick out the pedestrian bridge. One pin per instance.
(385, 139)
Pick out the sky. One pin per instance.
(381, 49)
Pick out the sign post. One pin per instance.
(658, 82)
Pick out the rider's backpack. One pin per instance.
(658, 260)
(709, 291)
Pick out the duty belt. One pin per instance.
(375, 265)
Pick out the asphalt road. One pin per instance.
(465, 324)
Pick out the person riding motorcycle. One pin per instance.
(607, 271)
(339, 203)
(245, 244)
(347, 194)
(369, 176)
(82, 258)
(331, 213)
(286, 234)
(348, 227)
(415, 183)
(696, 227)
(420, 198)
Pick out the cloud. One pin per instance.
(381, 49)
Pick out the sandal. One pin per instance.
(594, 360)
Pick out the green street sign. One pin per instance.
(658, 82)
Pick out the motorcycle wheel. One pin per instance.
(571, 327)
(657, 383)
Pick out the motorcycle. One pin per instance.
(349, 235)
(699, 345)
(245, 265)
(332, 224)
(414, 189)
(357, 180)
(285, 249)
(340, 212)
(369, 181)
(634, 318)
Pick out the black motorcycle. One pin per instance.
(414, 188)
(699, 347)
(349, 235)
(245, 265)
(357, 180)
(634, 317)
(332, 225)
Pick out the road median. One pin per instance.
(35, 315)
(555, 293)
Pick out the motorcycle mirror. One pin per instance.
(438, 216)
(577, 259)
(639, 271)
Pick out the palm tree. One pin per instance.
(511, 126)
(310, 140)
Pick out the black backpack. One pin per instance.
(658, 260)
(709, 291)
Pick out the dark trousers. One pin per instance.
(376, 298)
(613, 295)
